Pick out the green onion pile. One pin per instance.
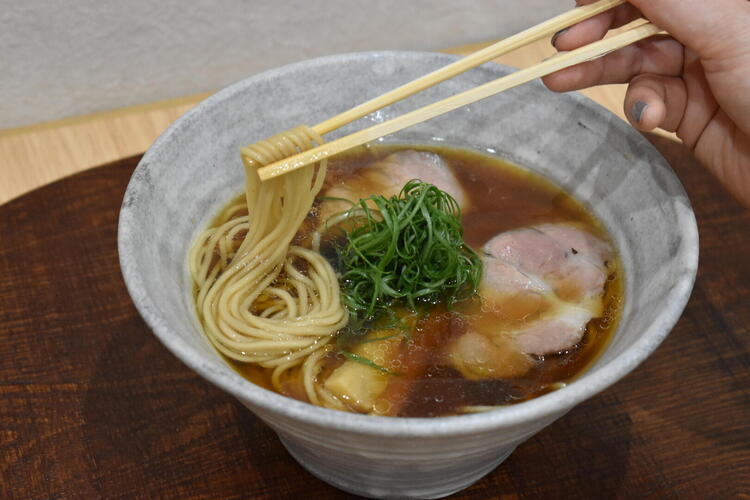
(408, 249)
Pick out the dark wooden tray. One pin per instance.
(92, 405)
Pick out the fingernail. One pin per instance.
(638, 109)
(556, 35)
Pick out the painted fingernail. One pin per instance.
(557, 35)
(638, 109)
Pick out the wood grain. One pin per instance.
(92, 405)
(34, 156)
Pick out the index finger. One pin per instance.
(595, 28)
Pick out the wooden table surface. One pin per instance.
(93, 406)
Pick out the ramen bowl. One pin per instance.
(194, 168)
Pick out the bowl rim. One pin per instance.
(547, 406)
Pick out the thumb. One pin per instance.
(711, 29)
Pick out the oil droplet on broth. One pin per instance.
(382, 407)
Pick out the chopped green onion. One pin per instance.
(408, 249)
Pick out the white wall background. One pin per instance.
(63, 58)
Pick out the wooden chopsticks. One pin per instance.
(520, 77)
(547, 28)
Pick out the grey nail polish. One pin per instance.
(638, 109)
(556, 35)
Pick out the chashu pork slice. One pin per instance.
(388, 176)
(541, 286)
(570, 260)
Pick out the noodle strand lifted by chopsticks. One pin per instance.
(259, 298)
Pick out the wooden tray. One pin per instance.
(92, 405)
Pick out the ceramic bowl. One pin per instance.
(194, 168)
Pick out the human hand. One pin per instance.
(695, 83)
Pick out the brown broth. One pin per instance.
(501, 197)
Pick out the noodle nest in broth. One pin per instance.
(259, 298)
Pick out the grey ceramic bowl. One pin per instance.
(194, 168)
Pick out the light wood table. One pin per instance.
(36, 155)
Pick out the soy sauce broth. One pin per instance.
(501, 197)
